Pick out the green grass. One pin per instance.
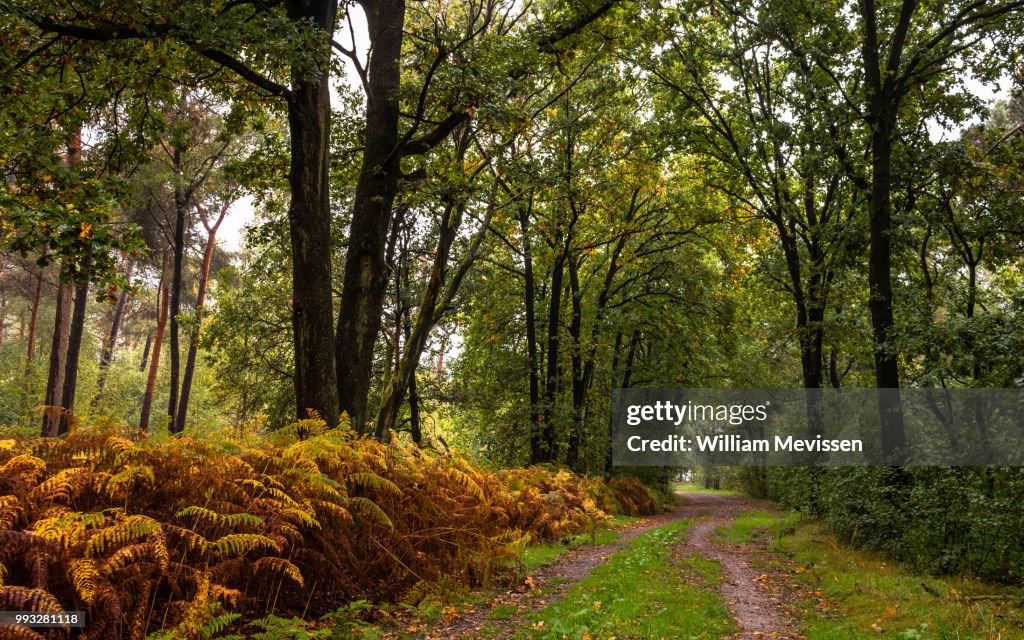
(747, 527)
(502, 612)
(640, 593)
(538, 555)
(851, 595)
(691, 487)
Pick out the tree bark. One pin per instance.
(31, 349)
(436, 300)
(70, 386)
(405, 370)
(181, 198)
(309, 218)
(365, 277)
(887, 375)
(529, 297)
(882, 109)
(58, 352)
(145, 349)
(548, 436)
(415, 430)
(578, 382)
(154, 364)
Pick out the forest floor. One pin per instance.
(721, 566)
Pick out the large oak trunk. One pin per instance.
(309, 217)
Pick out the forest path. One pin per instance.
(751, 591)
(758, 609)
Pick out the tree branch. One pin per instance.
(429, 140)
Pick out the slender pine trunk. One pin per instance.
(154, 364)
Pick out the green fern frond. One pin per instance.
(236, 544)
(372, 512)
(129, 477)
(375, 482)
(131, 528)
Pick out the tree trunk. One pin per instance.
(365, 278)
(887, 377)
(180, 211)
(74, 349)
(414, 345)
(58, 352)
(193, 347)
(107, 355)
(634, 344)
(529, 296)
(548, 436)
(880, 85)
(31, 349)
(309, 217)
(145, 350)
(578, 388)
(437, 298)
(154, 364)
(833, 369)
(414, 399)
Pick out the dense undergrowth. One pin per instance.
(942, 520)
(191, 537)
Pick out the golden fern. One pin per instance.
(84, 575)
(25, 466)
(14, 598)
(10, 511)
(128, 478)
(69, 528)
(19, 633)
(67, 484)
(279, 566)
(466, 482)
(131, 528)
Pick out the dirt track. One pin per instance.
(758, 611)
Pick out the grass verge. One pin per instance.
(847, 594)
(538, 555)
